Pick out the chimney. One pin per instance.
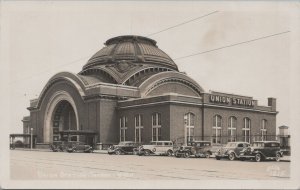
(272, 103)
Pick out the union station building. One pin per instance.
(131, 90)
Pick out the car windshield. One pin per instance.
(258, 144)
(231, 145)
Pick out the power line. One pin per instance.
(182, 23)
(47, 70)
(223, 47)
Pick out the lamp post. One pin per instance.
(31, 129)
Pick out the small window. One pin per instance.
(159, 143)
(246, 145)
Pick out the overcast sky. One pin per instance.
(43, 38)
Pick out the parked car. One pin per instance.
(232, 150)
(125, 147)
(196, 148)
(78, 147)
(57, 146)
(156, 148)
(262, 150)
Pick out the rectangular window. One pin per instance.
(123, 128)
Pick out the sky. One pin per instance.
(40, 39)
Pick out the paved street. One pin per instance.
(61, 165)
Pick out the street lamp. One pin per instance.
(31, 129)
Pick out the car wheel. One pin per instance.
(207, 155)
(218, 158)
(118, 152)
(231, 156)
(257, 157)
(169, 152)
(147, 152)
(277, 157)
(187, 154)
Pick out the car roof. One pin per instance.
(265, 142)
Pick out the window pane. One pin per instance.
(219, 121)
(125, 118)
(141, 120)
(192, 120)
(136, 135)
(154, 119)
(159, 118)
(191, 132)
(214, 121)
(159, 131)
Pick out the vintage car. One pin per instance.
(262, 150)
(125, 147)
(156, 148)
(57, 146)
(232, 150)
(196, 148)
(74, 146)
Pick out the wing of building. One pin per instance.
(131, 90)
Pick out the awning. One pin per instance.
(21, 135)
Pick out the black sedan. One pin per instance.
(125, 147)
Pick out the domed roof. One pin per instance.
(134, 49)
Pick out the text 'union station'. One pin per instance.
(131, 90)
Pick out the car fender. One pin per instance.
(258, 152)
(231, 151)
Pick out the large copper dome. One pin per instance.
(136, 49)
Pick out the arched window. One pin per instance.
(138, 120)
(232, 124)
(217, 129)
(263, 130)
(156, 127)
(246, 129)
(123, 128)
(189, 123)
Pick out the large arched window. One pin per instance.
(217, 129)
(263, 130)
(156, 127)
(246, 129)
(138, 122)
(123, 128)
(189, 124)
(232, 124)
